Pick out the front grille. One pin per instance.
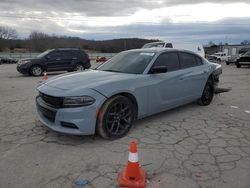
(52, 101)
(48, 113)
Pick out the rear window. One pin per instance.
(189, 60)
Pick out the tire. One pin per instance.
(115, 118)
(238, 65)
(227, 63)
(36, 70)
(79, 67)
(207, 94)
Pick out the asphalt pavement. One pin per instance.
(187, 147)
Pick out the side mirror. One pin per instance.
(47, 57)
(158, 69)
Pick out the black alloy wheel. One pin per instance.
(116, 117)
(207, 95)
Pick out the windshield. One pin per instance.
(247, 53)
(151, 45)
(44, 54)
(128, 62)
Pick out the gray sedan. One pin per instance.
(131, 85)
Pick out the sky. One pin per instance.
(226, 21)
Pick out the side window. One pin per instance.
(67, 54)
(54, 55)
(170, 60)
(189, 60)
(198, 61)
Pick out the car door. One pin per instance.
(56, 61)
(68, 59)
(165, 89)
(194, 74)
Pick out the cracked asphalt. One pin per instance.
(187, 147)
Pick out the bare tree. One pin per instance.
(245, 42)
(8, 33)
(35, 35)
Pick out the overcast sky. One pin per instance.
(170, 20)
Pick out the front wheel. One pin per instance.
(207, 95)
(36, 70)
(227, 63)
(115, 118)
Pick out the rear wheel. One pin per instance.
(36, 70)
(227, 63)
(207, 95)
(115, 118)
(79, 67)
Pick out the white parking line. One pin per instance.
(247, 111)
(234, 107)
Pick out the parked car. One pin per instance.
(233, 59)
(61, 59)
(8, 61)
(131, 85)
(196, 48)
(218, 57)
(244, 50)
(101, 59)
(243, 60)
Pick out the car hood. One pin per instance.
(30, 59)
(87, 79)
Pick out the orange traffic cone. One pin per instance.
(45, 76)
(132, 175)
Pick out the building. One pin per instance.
(230, 49)
(233, 50)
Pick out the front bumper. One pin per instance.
(76, 121)
(22, 69)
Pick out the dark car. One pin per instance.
(243, 60)
(61, 59)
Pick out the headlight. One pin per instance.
(23, 62)
(78, 101)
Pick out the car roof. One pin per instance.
(161, 50)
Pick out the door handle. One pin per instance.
(58, 59)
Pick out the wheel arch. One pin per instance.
(130, 96)
(211, 79)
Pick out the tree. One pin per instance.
(39, 41)
(35, 35)
(245, 42)
(8, 33)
